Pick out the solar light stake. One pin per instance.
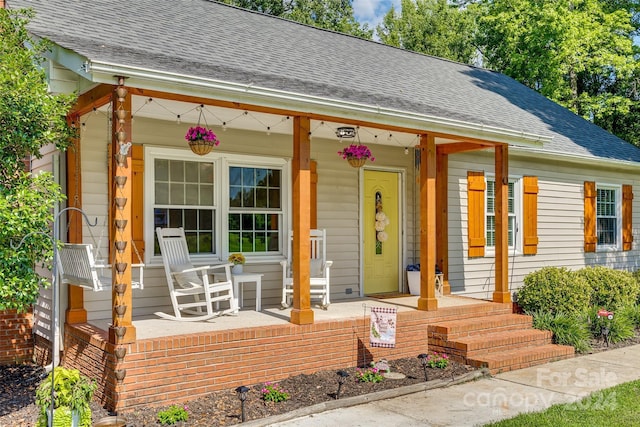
(242, 395)
(423, 361)
(342, 377)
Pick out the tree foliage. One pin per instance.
(435, 27)
(578, 53)
(30, 118)
(335, 15)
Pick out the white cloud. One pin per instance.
(372, 11)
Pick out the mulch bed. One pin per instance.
(222, 408)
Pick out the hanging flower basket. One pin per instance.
(201, 147)
(201, 140)
(356, 155)
(355, 162)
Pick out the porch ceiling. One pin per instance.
(220, 118)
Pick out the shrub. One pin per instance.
(568, 329)
(633, 313)
(554, 289)
(173, 414)
(621, 327)
(274, 393)
(611, 289)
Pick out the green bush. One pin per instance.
(555, 290)
(610, 289)
(633, 313)
(568, 329)
(621, 327)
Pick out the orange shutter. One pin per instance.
(590, 238)
(137, 206)
(314, 194)
(530, 207)
(476, 187)
(627, 221)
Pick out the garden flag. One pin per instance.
(383, 327)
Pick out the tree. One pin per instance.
(335, 15)
(30, 118)
(577, 53)
(435, 27)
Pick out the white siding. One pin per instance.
(560, 222)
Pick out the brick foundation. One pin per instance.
(170, 370)
(16, 337)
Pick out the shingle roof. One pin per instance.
(206, 39)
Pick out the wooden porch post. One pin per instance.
(76, 313)
(442, 218)
(121, 300)
(301, 313)
(427, 299)
(501, 293)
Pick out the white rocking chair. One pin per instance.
(78, 266)
(319, 269)
(192, 283)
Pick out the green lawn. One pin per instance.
(616, 406)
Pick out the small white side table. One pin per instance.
(238, 282)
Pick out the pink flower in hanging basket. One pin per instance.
(354, 151)
(200, 133)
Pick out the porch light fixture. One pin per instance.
(346, 132)
(342, 377)
(423, 361)
(242, 395)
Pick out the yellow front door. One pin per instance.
(381, 232)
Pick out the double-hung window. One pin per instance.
(255, 209)
(226, 203)
(513, 201)
(608, 212)
(184, 196)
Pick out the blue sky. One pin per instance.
(372, 11)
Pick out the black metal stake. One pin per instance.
(242, 395)
(342, 376)
(423, 361)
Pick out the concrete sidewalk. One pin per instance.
(478, 402)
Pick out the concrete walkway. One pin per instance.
(475, 403)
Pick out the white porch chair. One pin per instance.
(319, 269)
(192, 289)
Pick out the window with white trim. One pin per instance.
(255, 209)
(225, 202)
(184, 196)
(608, 216)
(514, 200)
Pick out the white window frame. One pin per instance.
(618, 208)
(517, 214)
(221, 162)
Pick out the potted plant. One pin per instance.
(201, 140)
(73, 393)
(356, 155)
(238, 261)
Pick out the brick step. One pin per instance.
(454, 329)
(503, 361)
(468, 347)
(469, 311)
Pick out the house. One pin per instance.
(476, 173)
